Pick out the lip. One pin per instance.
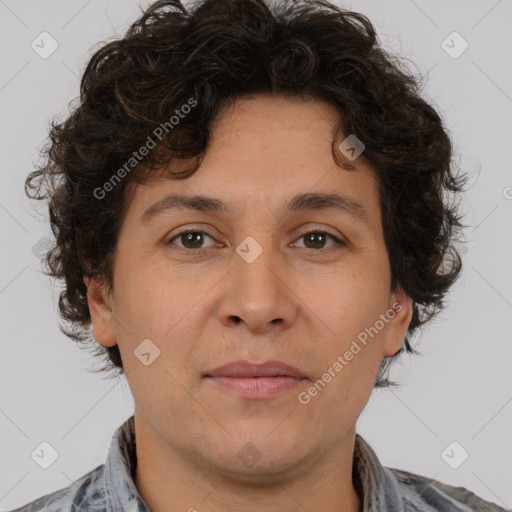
(257, 387)
(253, 380)
(246, 369)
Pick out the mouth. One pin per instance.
(252, 380)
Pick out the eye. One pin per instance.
(318, 238)
(192, 239)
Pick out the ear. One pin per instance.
(101, 313)
(398, 324)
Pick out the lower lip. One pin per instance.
(257, 387)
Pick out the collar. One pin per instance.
(120, 490)
(376, 484)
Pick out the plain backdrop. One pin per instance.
(458, 390)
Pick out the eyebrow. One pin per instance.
(308, 201)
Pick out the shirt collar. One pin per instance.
(120, 490)
(377, 484)
(373, 482)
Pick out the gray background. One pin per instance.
(459, 390)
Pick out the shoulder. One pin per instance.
(86, 493)
(424, 494)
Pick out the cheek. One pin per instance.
(152, 306)
(348, 313)
(347, 303)
(149, 302)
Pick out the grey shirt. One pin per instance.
(110, 486)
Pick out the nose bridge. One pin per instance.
(256, 264)
(256, 293)
(256, 258)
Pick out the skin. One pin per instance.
(206, 308)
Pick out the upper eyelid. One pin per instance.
(311, 226)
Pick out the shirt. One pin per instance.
(110, 487)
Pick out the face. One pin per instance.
(250, 283)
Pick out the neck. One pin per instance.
(170, 479)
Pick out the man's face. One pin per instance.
(214, 298)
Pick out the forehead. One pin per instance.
(264, 151)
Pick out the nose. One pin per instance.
(258, 290)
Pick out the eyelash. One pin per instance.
(337, 246)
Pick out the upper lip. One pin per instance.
(246, 369)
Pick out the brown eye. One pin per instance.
(315, 240)
(191, 240)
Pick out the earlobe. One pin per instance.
(101, 312)
(400, 315)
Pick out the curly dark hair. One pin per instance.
(212, 54)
